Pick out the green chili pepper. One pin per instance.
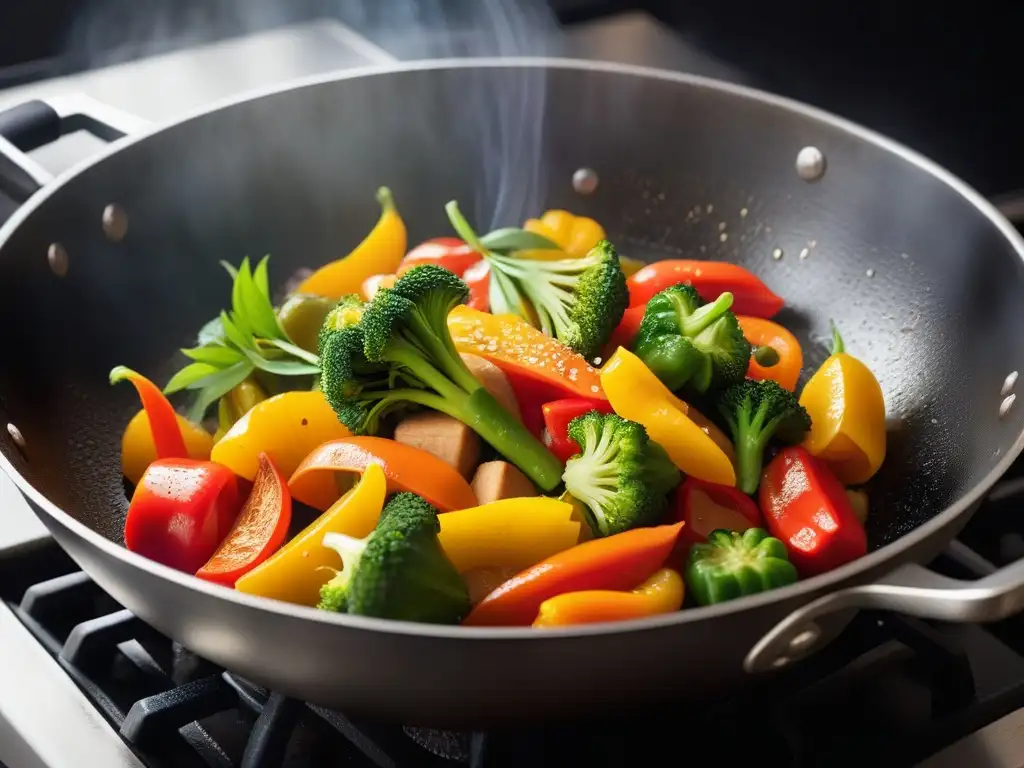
(302, 316)
(731, 565)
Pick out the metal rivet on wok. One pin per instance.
(807, 637)
(115, 223)
(810, 164)
(16, 436)
(584, 181)
(780, 662)
(58, 259)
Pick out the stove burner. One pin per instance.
(890, 689)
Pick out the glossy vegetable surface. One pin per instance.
(711, 279)
(163, 421)
(614, 563)
(259, 530)
(406, 468)
(765, 333)
(380, 252)
(181, 511)
(557, 415)
(732, 564)
(662, 592)
(706, 507)
(138, 450)
(806, 507)
(297, 571)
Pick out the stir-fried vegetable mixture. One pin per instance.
(502, 430)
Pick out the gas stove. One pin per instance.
(81, 678)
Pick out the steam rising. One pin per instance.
(503, 129)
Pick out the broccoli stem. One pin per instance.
(705, 316)
(750, 450)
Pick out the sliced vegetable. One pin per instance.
(181, 511)
(478, 280)
(400, 355)
(524, 353)
(758, 412)
(406, 468)
(259, 530)
(625, 332)
(380, 252)
(763, 334)
(558, 414)
(579, 300)
(513, 533)
(706, 507)
(579, 515)
(686, 342)
(399, 571)
(494, 380)
(711, 279)
(497, 480)
(574, 235)
(617, 562)
(482, 581)
(138, 450)
(698, 449)
(297, 571)
(859, 503)
(619, 475)
(806, 507)
(447, 252)
(286, 427)
(662, 592)
(732, 564)
(163, 421)
(847, 412)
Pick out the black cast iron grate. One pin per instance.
(891, 690)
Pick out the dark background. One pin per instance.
(940, 78)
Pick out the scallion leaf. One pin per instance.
(214, 355)
(510, 239)
(188, 376)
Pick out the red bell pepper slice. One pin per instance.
(478, 278)
(180, 512)
(557, 415)
(259, 530)
(163, 421)
(711, 279)
(627, 328)
(806, 507)
(451, 253)
(618, 562)
(705, 507)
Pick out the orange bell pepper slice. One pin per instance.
(406, 468)
(259, 530)
(661, 593)
(521, 350)
(374, 283)
(764, 333)
(616, 562)
(163, 420)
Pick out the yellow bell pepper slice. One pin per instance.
(511, 533)
(574, 235)
(296, 572)
(636, 394)
(286, 427)
(663, 592)
(380, 252)
(847, 410)
(138, 450)
(579, 515)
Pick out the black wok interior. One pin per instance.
(922, 284)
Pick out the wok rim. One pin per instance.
(826, 582)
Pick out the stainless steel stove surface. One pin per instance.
(82, 680)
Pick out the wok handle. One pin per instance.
(33, 124)
(910, 589)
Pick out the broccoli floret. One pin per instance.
(577, 301)
(620, 476)
(399, 571)
(400, 354)
(756, 412)
(688, 343)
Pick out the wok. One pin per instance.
(924, 277)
